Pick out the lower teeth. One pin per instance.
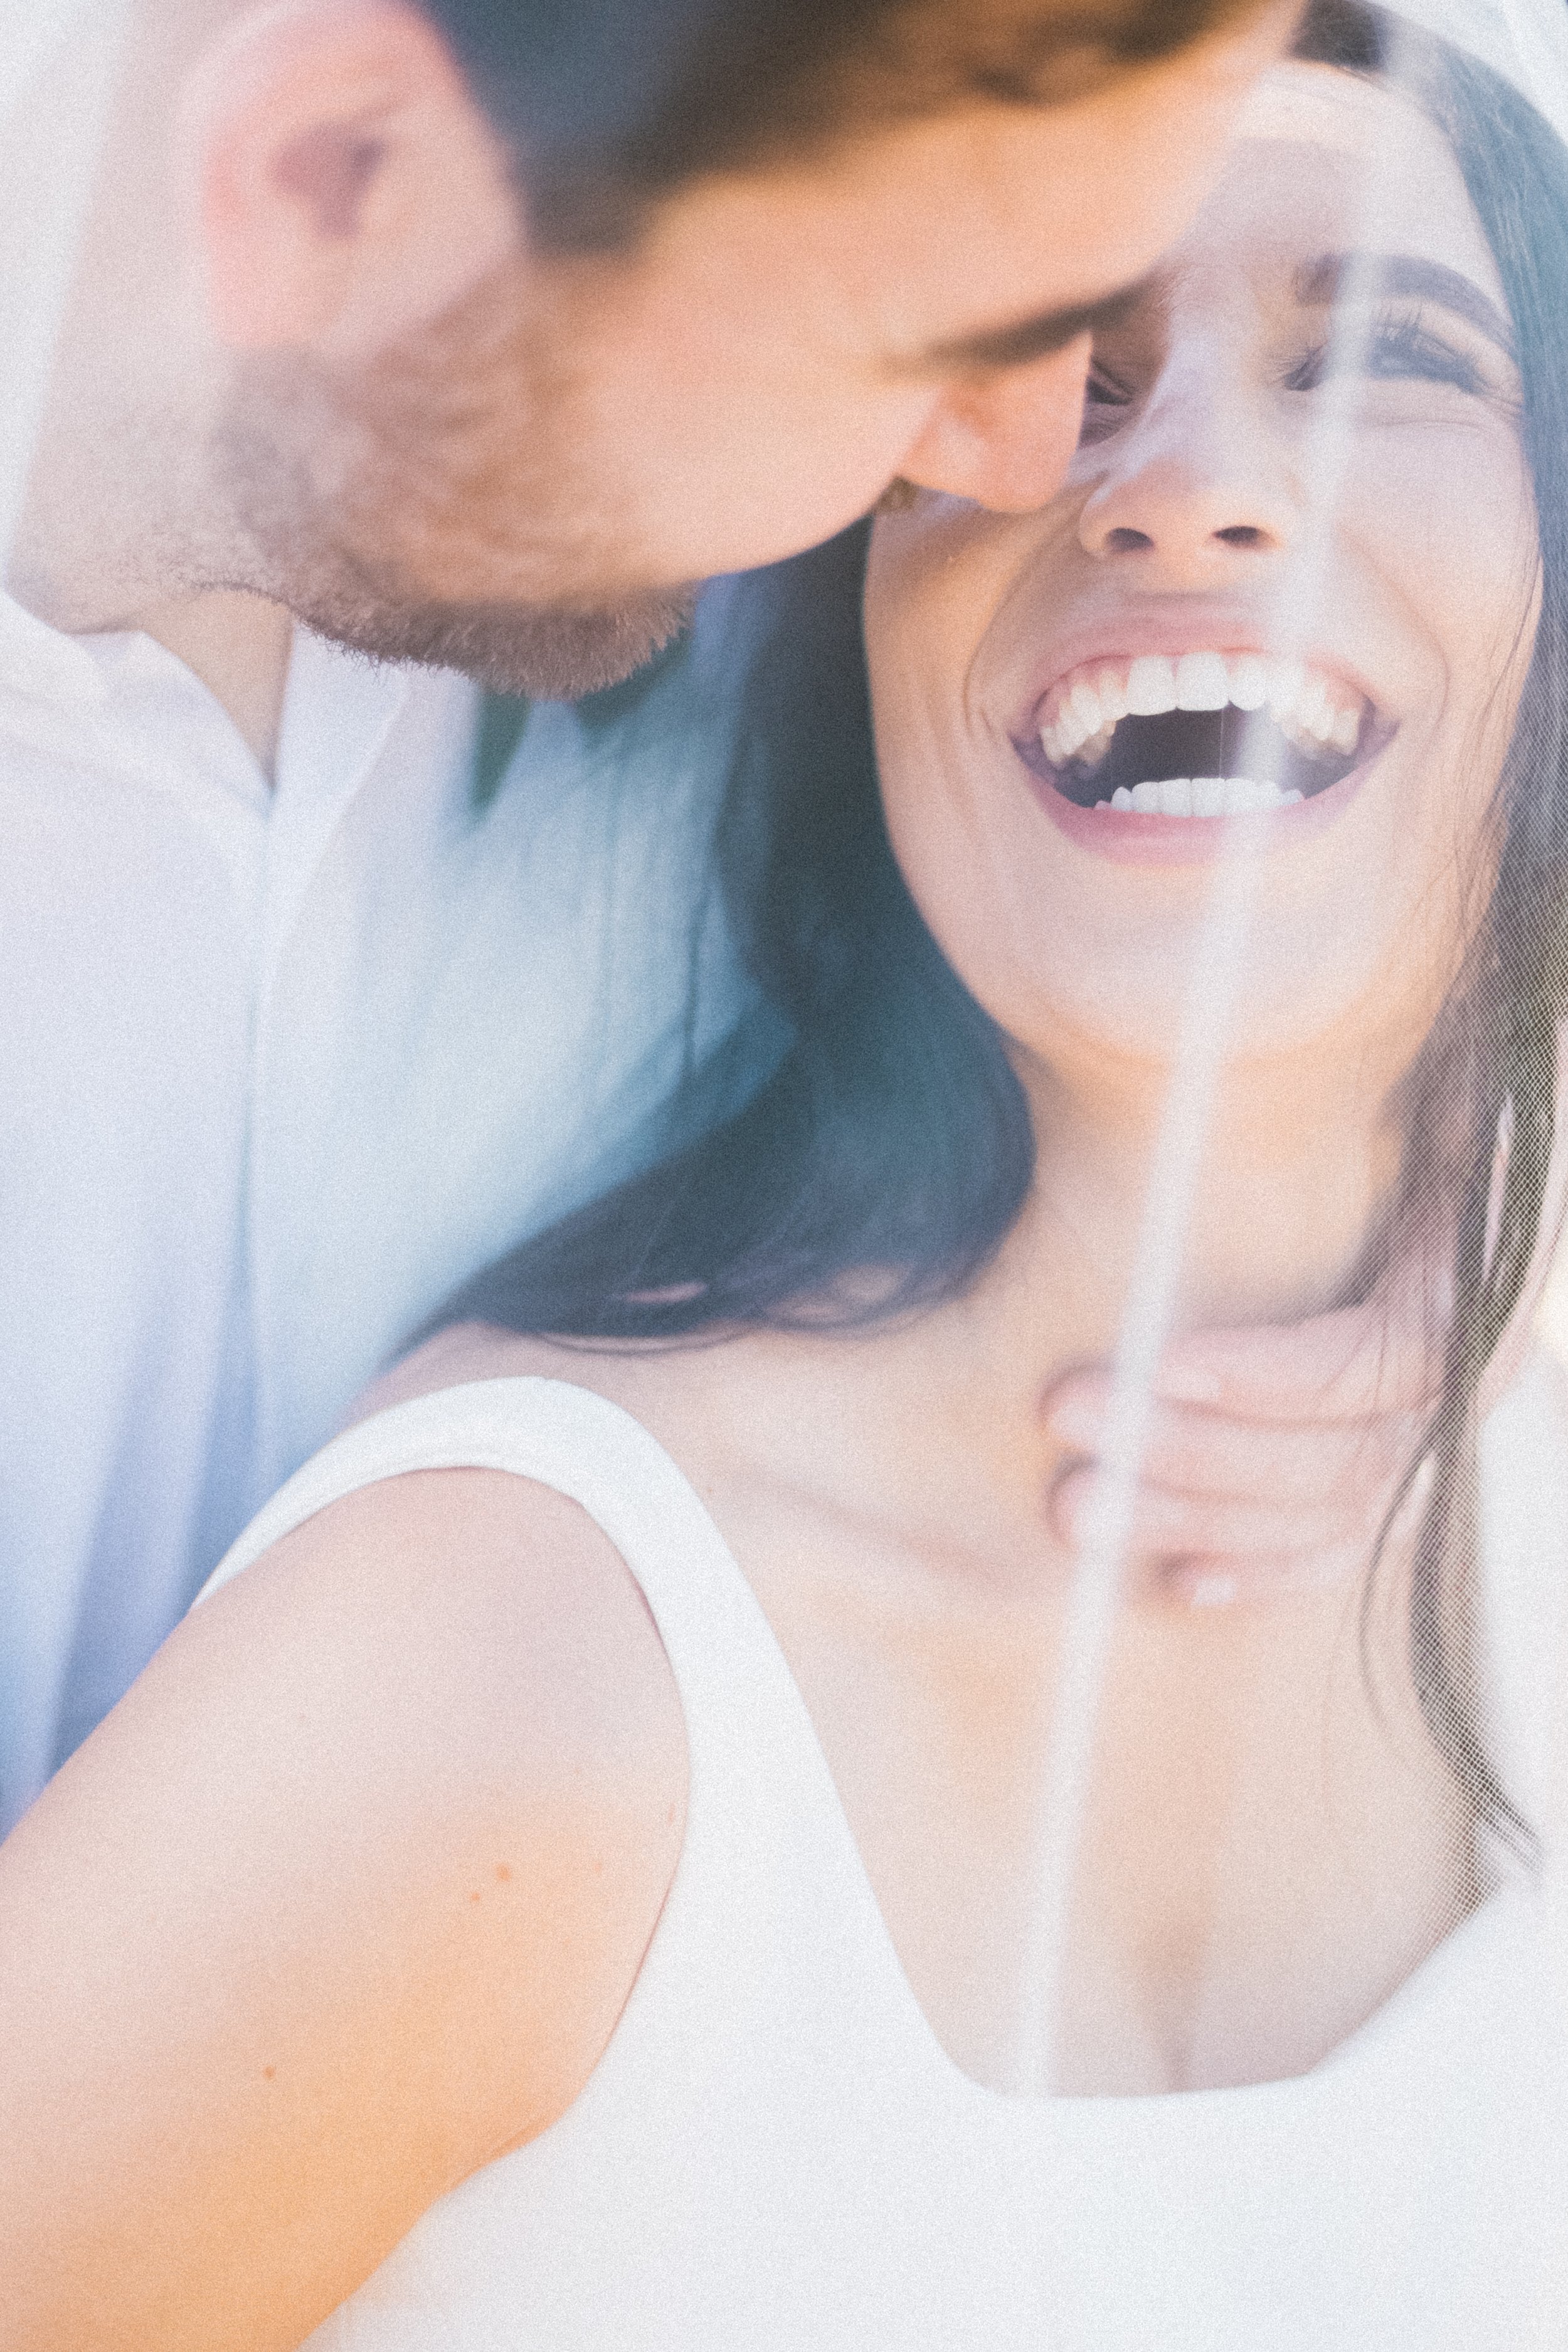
(1201, 796)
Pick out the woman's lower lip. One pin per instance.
(1128, 838)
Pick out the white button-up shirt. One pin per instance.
(279, 1068)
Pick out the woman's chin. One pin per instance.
(1113, 1007)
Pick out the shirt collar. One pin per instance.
(44, 664)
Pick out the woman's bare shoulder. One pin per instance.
(388, 1823)
(497, 1600)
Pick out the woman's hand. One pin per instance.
(1273, 1455)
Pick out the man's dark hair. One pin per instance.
(610, 105)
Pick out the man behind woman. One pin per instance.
(585, 1848)
(471, 333)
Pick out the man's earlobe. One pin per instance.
(345, 186)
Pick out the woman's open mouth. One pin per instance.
(1199, 735)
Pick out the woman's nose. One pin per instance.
(1193, 491)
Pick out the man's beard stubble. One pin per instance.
(436, 509)
(526, 649)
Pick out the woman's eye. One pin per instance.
(1393, 348)
(1104, 403)
(1102, 391)
(1408, 349)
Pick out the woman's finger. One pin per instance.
(1212, 1579)
(1211, 1528)
(1346, 1464)
(1352, 1365)
(1225, 1583)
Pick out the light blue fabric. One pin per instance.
(441, 1075)
(282, 1069)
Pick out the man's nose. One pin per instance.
(1191, 491)
(1004, 438)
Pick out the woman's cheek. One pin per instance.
(1450, 521)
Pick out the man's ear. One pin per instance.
(347, 186)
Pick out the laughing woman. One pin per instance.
(572, 1887)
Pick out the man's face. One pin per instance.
(525, 487)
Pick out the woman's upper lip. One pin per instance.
(1176, 633)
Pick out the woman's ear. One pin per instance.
(347, 186)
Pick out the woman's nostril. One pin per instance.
(1127, 542)
(1242, 534)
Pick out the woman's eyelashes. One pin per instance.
(1106, 401)
(1396, 345)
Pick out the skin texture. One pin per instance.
(312, 354)
(390, 1820)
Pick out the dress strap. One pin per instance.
(582, 1446)
(754, 1755)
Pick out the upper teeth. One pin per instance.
(1083, 710)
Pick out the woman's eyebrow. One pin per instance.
(1334, 274)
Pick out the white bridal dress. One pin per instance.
(775, 2153)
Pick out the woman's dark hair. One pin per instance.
(608, 106)
(1480, 1138)
(881, 1165)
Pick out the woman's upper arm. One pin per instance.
(344, 1898)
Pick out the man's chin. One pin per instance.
(553, 656)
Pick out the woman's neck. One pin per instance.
(933, 1428)
(1298, 1161)
(952, 1433)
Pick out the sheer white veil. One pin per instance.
(1524, 40)
(1524, 1462)
(59, 68)
(1522, 1601)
